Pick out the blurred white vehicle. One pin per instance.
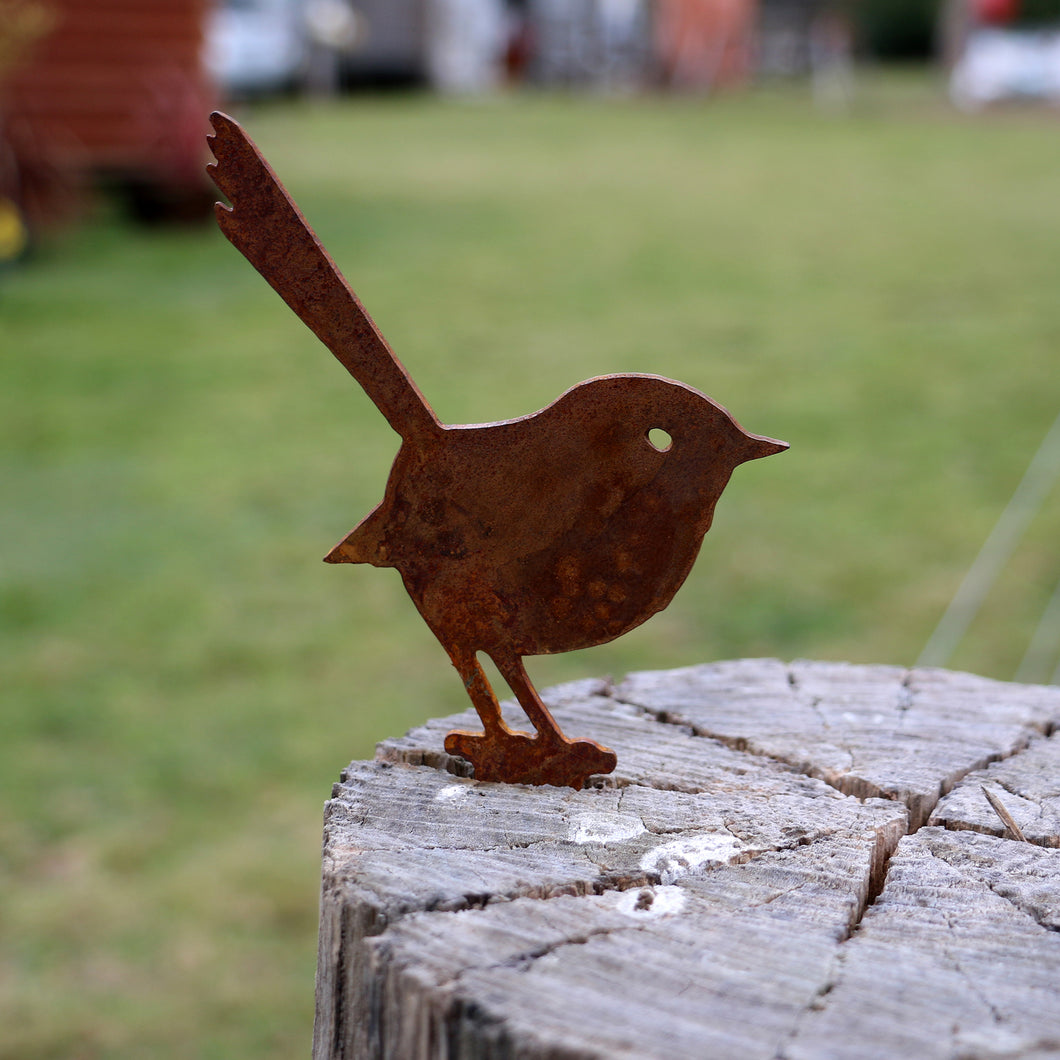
(999, 64)
(466, 44)
(260, 46)
(257, 46)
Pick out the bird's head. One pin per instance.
(695, 429)
(694, 443)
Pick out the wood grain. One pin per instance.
(752, 881)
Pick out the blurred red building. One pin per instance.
(111, 88)
(702, 44)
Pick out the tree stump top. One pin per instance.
(790, 862)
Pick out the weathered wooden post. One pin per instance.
(789, 863)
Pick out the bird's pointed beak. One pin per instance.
(756, 446)
(342, 553)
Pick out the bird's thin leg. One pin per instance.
(500, 753)
(482, 695)
(514, 672)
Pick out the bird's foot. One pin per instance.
(519, 758)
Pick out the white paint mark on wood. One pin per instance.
(604, 827)
(649, 903)
(451, 791)
(680, 857)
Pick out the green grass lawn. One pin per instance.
(182, 678)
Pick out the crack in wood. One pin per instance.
(973, 985)
(1009, 976)
(816, 1004)
(1034, 914)
(845, 784)
(920, 805)
(1028, 779)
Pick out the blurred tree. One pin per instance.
(1039, 12)
(897, 29)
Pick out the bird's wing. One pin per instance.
(265, 225)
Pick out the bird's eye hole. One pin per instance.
(660, 440)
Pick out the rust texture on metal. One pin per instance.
(559, 530)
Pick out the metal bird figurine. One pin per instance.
(559, 530)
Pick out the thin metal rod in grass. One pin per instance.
(1044, 645)
(1038, 480)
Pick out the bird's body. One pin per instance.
(560, 530)
(542, 534)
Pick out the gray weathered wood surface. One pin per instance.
(791, 862)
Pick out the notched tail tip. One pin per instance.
(220, 209)
(220, 121)
(224, 128)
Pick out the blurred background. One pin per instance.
(840, 220)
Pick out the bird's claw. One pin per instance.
(519, 758)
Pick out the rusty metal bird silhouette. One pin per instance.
(560, 530)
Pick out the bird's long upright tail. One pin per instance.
(265, 225)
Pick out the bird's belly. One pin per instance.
(571, 595)
(590, 596)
